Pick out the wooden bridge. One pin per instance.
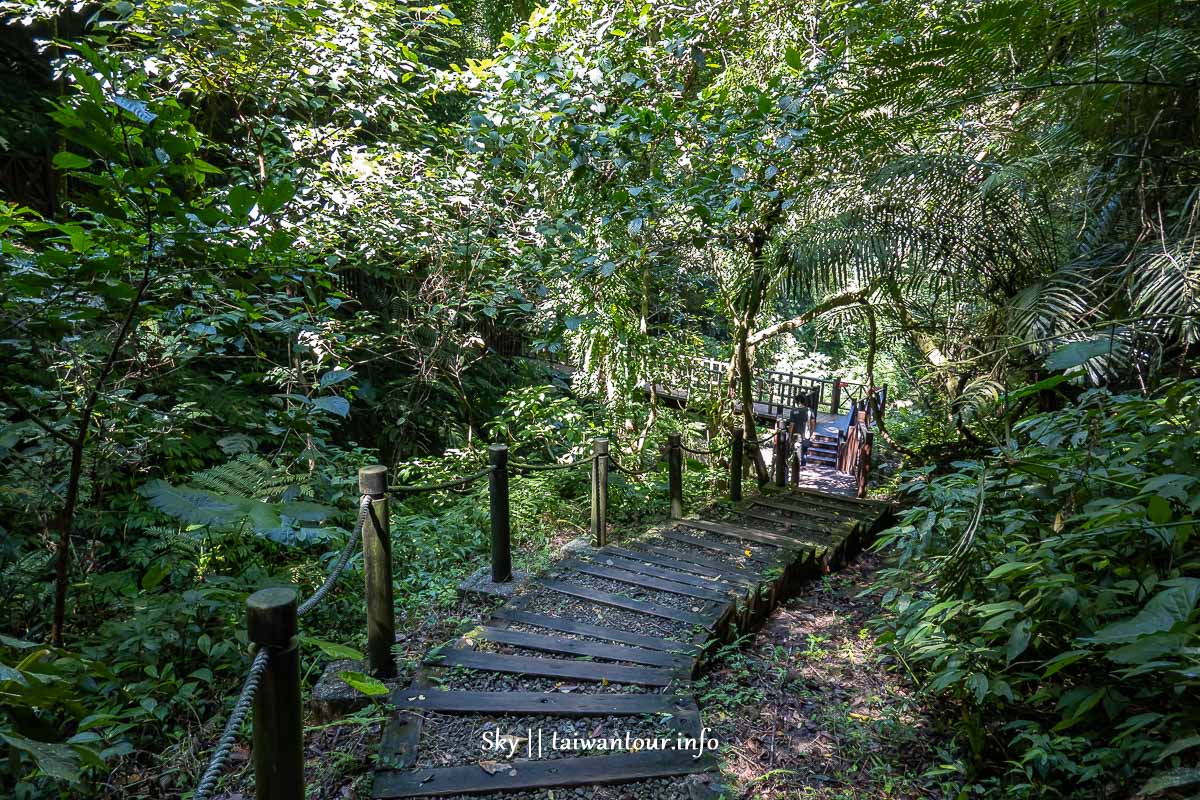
(584, 676)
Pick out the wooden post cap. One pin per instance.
(373, 480)
(674, 439)
(498, 454)
(271, 616)
(600, 445)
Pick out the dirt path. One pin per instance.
(812, 707)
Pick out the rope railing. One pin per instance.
(528, 467)
(224, 747)
(703, 452)
(619, 467)
(221, 753)
(422, 488)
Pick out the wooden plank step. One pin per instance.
(634, 579)
(600, 632)
(716, 547)
(548, 773)
(877, 505)
(559, 704)
(747, 533)
(553, 667)
(628, 603)
(717, 567)
(693, 577)
(812, 511)
(792, 523)
(578, 647)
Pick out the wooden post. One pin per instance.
(735, 465)
(278, 717)
(675, 473)
(781, 454)
(600, 492)
(864, 468)
(835, 396)
(377, 568)
(499, 510)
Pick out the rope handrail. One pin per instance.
(522, 465)
(619, 467)
(700, 451)
(216, 763)
(434, 487)
(220, 754)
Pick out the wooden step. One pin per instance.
(760, 561)
(819, 513)
(559, 704)
(565, 625)
(635, 563)
(629, 604)
(579, 647)
(553, 667)
(635, 579)
(548, 773)
(730, 572)
(746, 533)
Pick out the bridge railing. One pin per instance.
(272, 686)
(781, 392)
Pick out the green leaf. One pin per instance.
(1076, 353)
(335, 376)
(59, 761)
(1004, 569)
(1172, 779)
(241, 200)
(372, 687)
(1164, 610)
(334, 650)
(1178, 746)
(333, 404)
(1018, 640)
(1064, 660)
(794, 58)
(1159, 510)
(154, 576)
(276, 196)
(67, 160)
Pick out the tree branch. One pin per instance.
(831, 304)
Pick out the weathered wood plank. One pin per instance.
(746, 533)
(809, 511)
(725, 569)
(719, 547)
(635, 579)
(584, 771)
(554, 667)
(862, 502)
(579, 647)
(586, 629)
(692, 576)
(629, 604)
(549, 703)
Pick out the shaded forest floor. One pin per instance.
(812, 707)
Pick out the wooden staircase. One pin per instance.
(615, 636)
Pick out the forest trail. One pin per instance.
(603, 649)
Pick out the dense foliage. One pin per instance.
(1051, 588)
(246, 249)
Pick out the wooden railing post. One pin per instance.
(735, 465)
(499, 512)
(675, 473)
(835, 396)
(377, 567)
(864, 466)
(278, 717)
(600, 492)
(781, 454)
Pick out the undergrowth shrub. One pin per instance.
(1050, 590)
